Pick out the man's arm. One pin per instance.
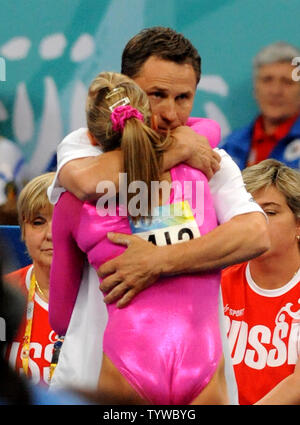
(243, 237)
(193, 149)
(81, 176)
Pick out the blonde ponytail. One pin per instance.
(143, 149)
(142, 146)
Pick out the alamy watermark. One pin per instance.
(109, 205)
(2, 69)
(296, 71)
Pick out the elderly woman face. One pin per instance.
(283, 226)
(38, 237)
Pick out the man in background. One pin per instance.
(275, 133)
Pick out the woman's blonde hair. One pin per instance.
(142, 146)
(33, 198)
(272, 172)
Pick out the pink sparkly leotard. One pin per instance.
(166, 342)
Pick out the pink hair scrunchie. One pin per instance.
(122, 113)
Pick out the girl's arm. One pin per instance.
(193, 145)
(67, 263)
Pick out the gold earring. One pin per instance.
(298, 237)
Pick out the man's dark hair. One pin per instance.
(163, 43)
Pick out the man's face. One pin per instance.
(171, 90)
(277, 95)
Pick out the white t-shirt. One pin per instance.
(230, 199)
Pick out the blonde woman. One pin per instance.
(261, 297)
(30, 352)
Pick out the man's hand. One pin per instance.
(195, 150)
(131, 272)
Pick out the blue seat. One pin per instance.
(13, 249)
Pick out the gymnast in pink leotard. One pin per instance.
(166, 342)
